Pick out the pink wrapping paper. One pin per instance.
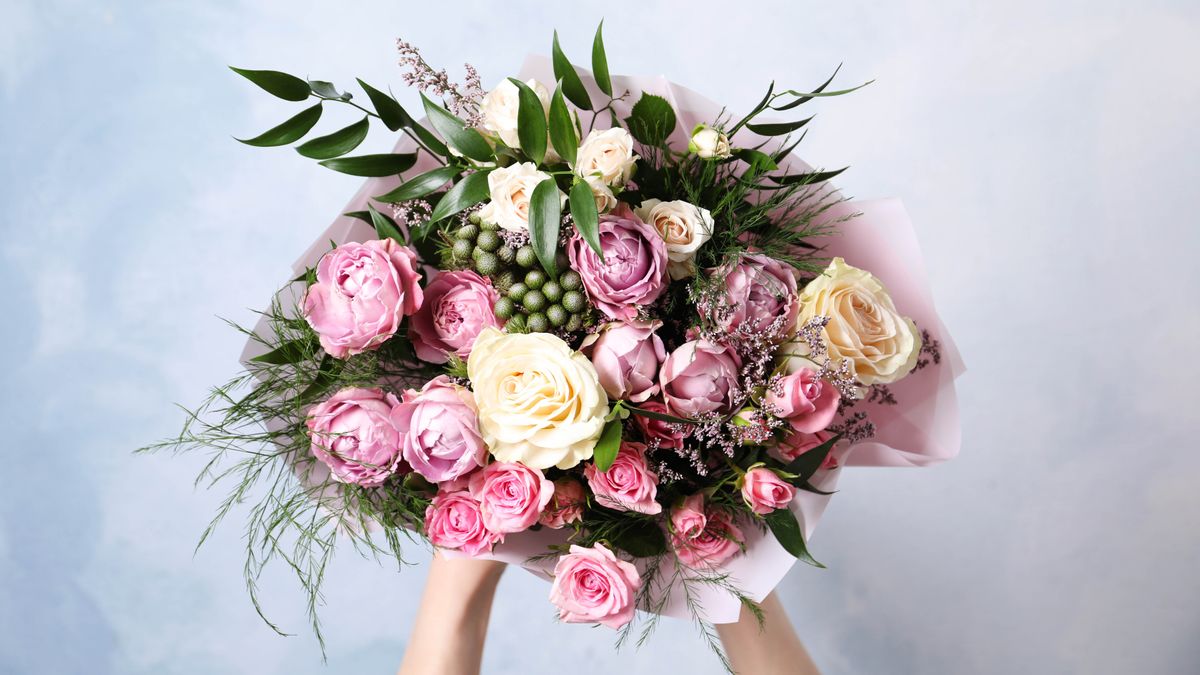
(922, 429)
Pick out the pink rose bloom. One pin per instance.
(591, 585)
(457, 306)
(806, 401)
(764, 491)
(700, 377)
(362, 293)
(626, 357)
(511, 496)
(760, 290)
(703, 536)
(439, 433)
(453, 520)
(629, 484)
(634, 269)
(352, 434)
(566, 506)
(657, 429)
(797, 443)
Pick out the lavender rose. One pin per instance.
(352, 434)
(456, 308)
(626, 357)
(438, 430)
(700, 377)
(362, 293)
(760, 293)
(634, 269)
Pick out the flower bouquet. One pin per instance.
(595, 326)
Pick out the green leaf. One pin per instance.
(662, 417)
(361, 215)
(801, 100)
(808, 463)
(372, 165)
(390, 112)
(466, 193)
(336, 144)
(806, 178)
(545, 218)
(419, 186)
(777, 128)
(291, 130)
(787, 530)
(385, 227)
(292, 351)
(652, 120)
(572, 86)
(812, 94)
(562, 128)
(327, 373)
(457, 135)
(531, 122)
(583, 212)
(600, 62)
(287, 87)
(608, 445)
(759, 161)
(327, 90)
(641, 538)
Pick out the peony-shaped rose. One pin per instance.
(807, 402)
(591, 585)
(700, 377)
(361, 294)
(457, 306)
(511, 496)
(709, 143)
(683, 226)
(453, 521)
(511, 188)
(703, 535)
(540, 402)
(566, 506)
(627, 357)
(607, 154)
(764, 491)
(629, 484)
(666, 433)
(761, 295)
(498, 109)
(634, 269)
(439, 434)
(353, 435)
(864, 326)
(797, 443)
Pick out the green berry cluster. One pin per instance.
(478, 245)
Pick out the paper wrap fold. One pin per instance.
(920, 430)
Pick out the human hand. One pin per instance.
(772, 649)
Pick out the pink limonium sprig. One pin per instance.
(462, 100)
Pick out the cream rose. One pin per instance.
(864, 326)
(709, 143)
(607, 153)
(683, 226)
(605, 199)
(511, 187)
(540, 403)
(498, 109)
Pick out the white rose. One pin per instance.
(608, 154)
(540, 403)
(683, 226)
(864, 326)
(605, 199)
(709, 143)
(499, 109)
(511, 187)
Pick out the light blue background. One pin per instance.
(1046, 150)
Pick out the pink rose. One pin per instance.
(703, 536)
(759, 291)
(665, 432)
(700, 377)
(457, 307)
(764, 491)
(453, 520)
(566, 506)
(353, 435)
(803, 399)
(439, 434)
(629, 484)
(511, 496)
(797, 443)
(634, 269)
(362, 293)
(591, 585)
(626, 357)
